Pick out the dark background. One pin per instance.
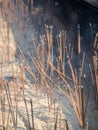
(71, 13)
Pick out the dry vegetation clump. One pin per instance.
(50, 72)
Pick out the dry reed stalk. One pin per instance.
(71, 67)
(49, 95)
(62, 80)
(59, 72)
(78, 84)
(47, 33)
(56, 120)
(15, 84)
(49, 103)
(60, 51)
(1, 70)
(2, 9)
(39, 70)
(58, 101)
(64, 45)
(8, 26)
(95, 41)
(59, 86)
(42, 58)
(22, 83)
(67, 128)
(79, 109)
(81, 101)
(72, 71)
(27, 114)
(95, 64)
(63, 65)
(12, 4)
(13, 74)
(8, 117)
(97, 86)
(28, 68)
(2, 33)
(72, 53)
(10, 103)
(75, 108)
(28, 5)
(60, 120)
(36, 85)
(38, 49)
(69, 50)
(49, 37)
(61, 44)
(4, 30)
(86, 104)
(80, 76)
(58, 64)
(21, 6)
(23, 57)
(95, 60)
(17, 8)
(35, 45)
(91, 74)
(52, 59)
(19, 56)
(65, 82)
(10, 14)
(20, 25)
(96, 75)
(39, 59)
(35, 62)
(83, 61)
(53, 95)
(22, 74)
(54, 111)
(79, 44)
(65, 108)
(87, 126)
(32, 114)
(19, 17)
(32, 6)
(82, 107)
(3, 111)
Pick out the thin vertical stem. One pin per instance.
(27, 113)
(91, 74)
(32, 114)
(67, 128)
(79, 44)
(56, 120)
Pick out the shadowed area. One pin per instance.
(92, 2)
